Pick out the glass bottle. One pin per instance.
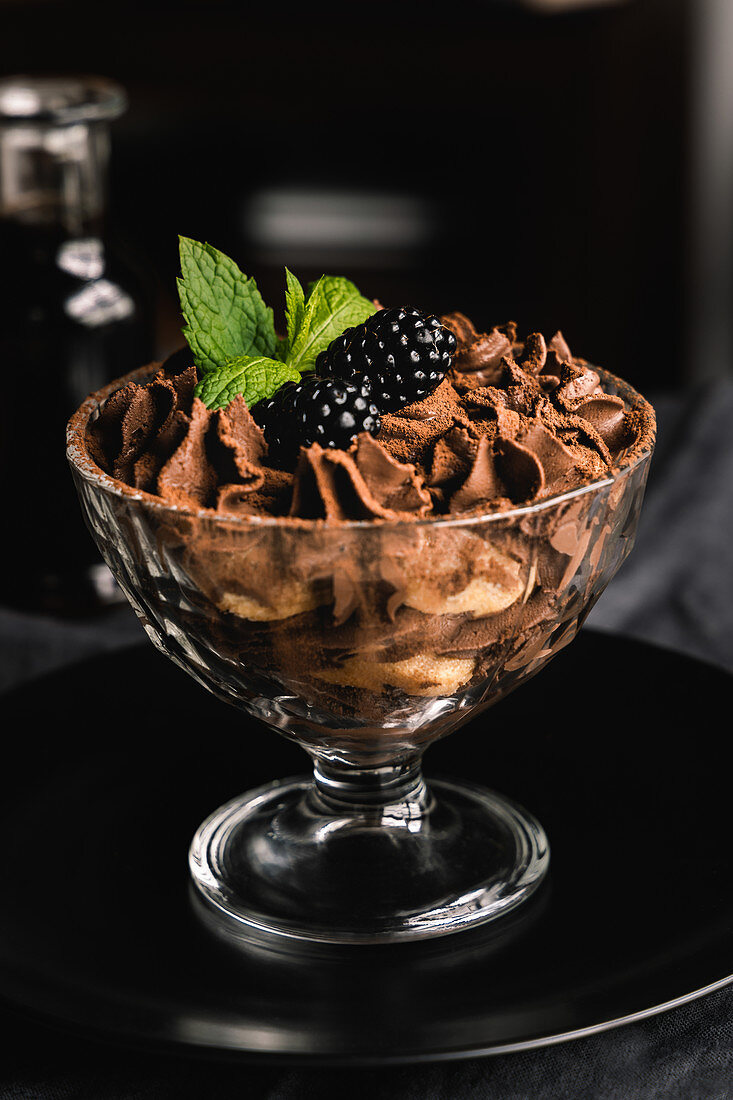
(73, 316)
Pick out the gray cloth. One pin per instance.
(675, 590)
(33, 644)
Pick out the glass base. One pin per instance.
(289, 860)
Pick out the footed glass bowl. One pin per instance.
(363, 642)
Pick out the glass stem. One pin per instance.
(347, 789)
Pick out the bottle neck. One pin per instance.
(53, 178)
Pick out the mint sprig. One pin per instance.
(231, 331)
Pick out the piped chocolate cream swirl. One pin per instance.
(513, 423)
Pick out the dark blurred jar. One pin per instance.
(73, 315)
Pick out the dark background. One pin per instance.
(565, 168)
(543, 156)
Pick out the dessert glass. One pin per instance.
(320, 631)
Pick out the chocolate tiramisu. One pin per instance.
(400, 420)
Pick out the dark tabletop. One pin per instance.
(676, 590)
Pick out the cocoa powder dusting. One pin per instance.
(513, 423)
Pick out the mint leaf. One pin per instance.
(224, 312)
(255, 377)
(333, 305)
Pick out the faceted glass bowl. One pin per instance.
(363, 642)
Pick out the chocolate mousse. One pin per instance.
(410, 606)
(514, 423)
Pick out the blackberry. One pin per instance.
(403, 353)
(328, 411)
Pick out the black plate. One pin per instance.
(614, 747)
